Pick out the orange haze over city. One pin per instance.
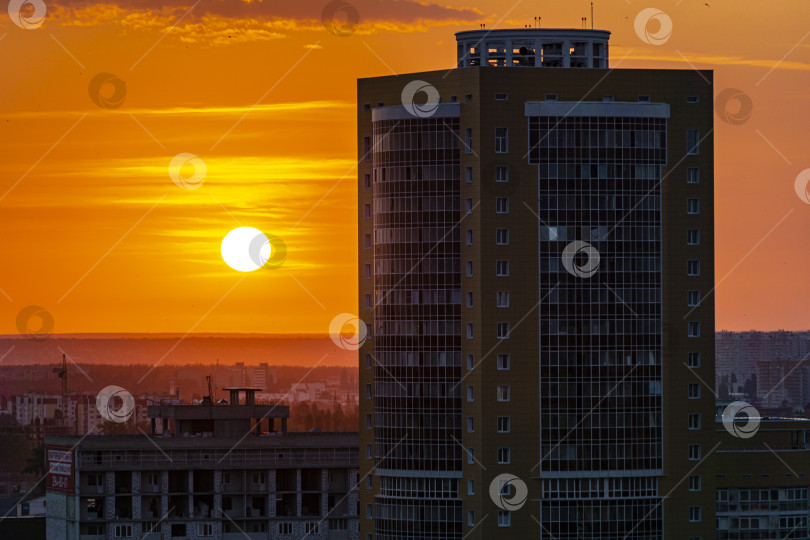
(95, 231)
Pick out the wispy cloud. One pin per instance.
(277, 109)
(708, 60)
(222, 23)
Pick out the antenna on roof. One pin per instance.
(591, 15)
(584, 22)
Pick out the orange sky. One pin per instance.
(95, 231)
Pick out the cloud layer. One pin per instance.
(229, 21)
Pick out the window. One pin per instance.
(694, 483)
(369, 421)
(503, 361)
(178, 530)
(468, 205)
(470, 363)
(694, 360)
(692, 175)
(694, 514)
(469, 236)
(692, 206)
(369, 453)
(502, 299)
(694, 452)
(468, 175)
(470, 332)
(468, 140)
(503, 392)
(504, 518)
(693, 267)
(369, 482)
(501, 96)
(692, 298)
(369, 511)
(470, 487)
(501, 140)
(693, 329)
(469, 299)
(692, 142)
(366, 149)
(205, 529)
(468, 98)
(502, 173)
(469, 268)
(470, 424)
(503, 330)
(470, 393)
(226, 478)
(453, 99)
(368, 301)
(367, 271)
(124, 531)
(471, 518)
(694, 421)
(607, 99)
(692, 99)
(503, 424)
(502, 268)
(366, 211)
(368, 391)
(502, 205)
(257, 477)
(694, 390)
(366, 106)
(502, 237)
(368, 361)
(470, 456)
(644, 98)
(311, 527)
(693, 237)
(367, 241)
(367, 181)
(504, 455)
(551, 97)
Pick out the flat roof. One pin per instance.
(307, 439)
(217, 412)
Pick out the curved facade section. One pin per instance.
(417, 326)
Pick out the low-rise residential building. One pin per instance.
(205, 471)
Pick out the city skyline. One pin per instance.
(92, 205)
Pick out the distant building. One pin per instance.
(40, 413)
(737, 354)
(206, 471)
(783, 383)
(261, 376)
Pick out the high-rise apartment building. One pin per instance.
(535, 258)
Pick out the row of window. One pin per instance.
(503, 96)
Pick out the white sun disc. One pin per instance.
(245, 249)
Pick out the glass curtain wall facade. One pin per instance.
(600, 328)
(417, 325)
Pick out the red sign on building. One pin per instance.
(59, 460)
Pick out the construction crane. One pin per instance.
(209, 399)
(62, 373)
